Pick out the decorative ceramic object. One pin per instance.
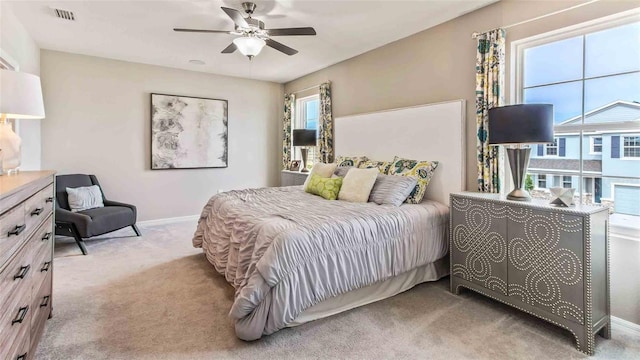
(11, 146)
(562, 196)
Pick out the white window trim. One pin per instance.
(622, 157)
(556, 139)
(538, 181)
(592, 144)
(517, 52)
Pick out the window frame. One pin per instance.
(300, 122)
(539, 178)
(555, 146)
(622, 147)
(564, 181)
(516, 83)
(592, 145)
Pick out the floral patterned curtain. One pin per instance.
(325, 126)
(490, 69)
(289, 103)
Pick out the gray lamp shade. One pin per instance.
(304, 137)
(521, 124)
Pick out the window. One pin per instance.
(552, 149)
(596, 99)
(631, 146)
(595, 144)
(307, 117)
(542, 181)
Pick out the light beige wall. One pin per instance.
(16, 42)
(98, 122)
(439, 64)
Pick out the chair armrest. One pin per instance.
(116, 203)
(81, 221)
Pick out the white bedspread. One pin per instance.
(285, 250)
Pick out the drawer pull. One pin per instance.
(46, 236)
(22, 313)
(37, 211)
(49, 200)
(17, 230)
(22, 357)
(45, 301)
(45, 267)
(23, 272)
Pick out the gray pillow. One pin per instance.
(392, 189)
(84, 198)
(342, 171)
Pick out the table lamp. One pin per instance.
(20, 98)
(304, 138)
(518, 126)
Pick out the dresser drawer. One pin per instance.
(20, 350)
(15, 323)
(41, 306)
(42, 265)
(37, 208)
(16, 276)
(12, 232)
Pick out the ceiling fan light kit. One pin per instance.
(249, 46)
(253, 35)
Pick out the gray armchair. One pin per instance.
(88, 223)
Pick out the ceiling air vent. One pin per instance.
(65, 14)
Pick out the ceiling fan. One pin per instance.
(252, 34)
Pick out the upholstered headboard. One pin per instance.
(424, 132)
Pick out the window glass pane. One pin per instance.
(613, 51)
(606, 91)
(566, 99)
(553, 62)
(312, 114)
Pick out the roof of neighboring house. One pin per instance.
(616, 111)
(566, 164)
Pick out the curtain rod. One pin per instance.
(305, 89)
(476, 34)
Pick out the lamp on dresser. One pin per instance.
(20, 98)
(518, 126)
(304, 138)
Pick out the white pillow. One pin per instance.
(84, 198)
(357, 184)
(322, 170)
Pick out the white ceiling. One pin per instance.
(141, 31)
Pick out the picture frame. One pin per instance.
(295, 165)
(188, 132)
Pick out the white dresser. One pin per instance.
(292, 178)
(26, 260)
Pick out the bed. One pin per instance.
(293, 257)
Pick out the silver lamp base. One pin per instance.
(519, 162)
(304, 152)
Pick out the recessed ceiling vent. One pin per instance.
(64, 14)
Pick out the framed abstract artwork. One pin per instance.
(188, 132)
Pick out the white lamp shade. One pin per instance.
(249, 46)
(20, 95)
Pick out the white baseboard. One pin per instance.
(628, 325)
(168, 220)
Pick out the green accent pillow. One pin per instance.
(328, 188)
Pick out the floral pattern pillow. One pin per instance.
(421, 170)
(382, 166)
(350, 160)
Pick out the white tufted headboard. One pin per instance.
(424, 132)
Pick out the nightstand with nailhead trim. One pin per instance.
(548, 261)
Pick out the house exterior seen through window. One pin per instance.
(307, 116)
(592, 77)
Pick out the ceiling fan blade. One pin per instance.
(229, 49)
(236, 16)
(202, 31)
(281, 47)
(291, 31)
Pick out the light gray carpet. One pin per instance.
(156, 297)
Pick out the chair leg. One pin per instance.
(80, 242)
(135, 228)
